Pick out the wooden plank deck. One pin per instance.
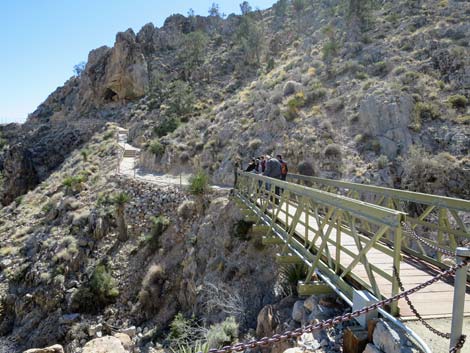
(434, 301)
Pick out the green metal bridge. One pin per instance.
(355, 235)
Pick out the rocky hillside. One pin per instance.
(371, 91)
(67, 273)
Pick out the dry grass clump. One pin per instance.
(152, 288)
(332, 151)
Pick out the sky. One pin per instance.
(42, 40)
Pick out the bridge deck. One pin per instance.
(433, 301)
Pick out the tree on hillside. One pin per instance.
(250, 38)
(358, 16)
(193, 49)
(120, 200)
(245, 8)
(79, 68)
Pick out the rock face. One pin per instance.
(115, 74)
(19, 171)
(38, 152)
(105, 344)
(387, 117)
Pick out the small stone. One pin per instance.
(68, 319)
(310, 303)
(130, 331)
(94, 329)
(57, 348)
(298, 311)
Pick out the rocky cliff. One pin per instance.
(292, 80)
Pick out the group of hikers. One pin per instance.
(269, 166)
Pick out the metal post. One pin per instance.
(460, 283)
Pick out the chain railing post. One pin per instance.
(462, 254)
(396, 262)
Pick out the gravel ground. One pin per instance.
(7, 346)
(438, 344)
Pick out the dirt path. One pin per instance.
(127, 166)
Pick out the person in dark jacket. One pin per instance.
(251, 166)
(273, 170)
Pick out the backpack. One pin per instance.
(283, 168)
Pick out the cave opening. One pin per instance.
(110, 95)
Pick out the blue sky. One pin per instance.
(41, 40)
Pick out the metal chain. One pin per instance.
(415, 312)
(410, 232)
(459, 344)
(267, 341)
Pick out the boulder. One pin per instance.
(107, 344)
(298, 311)
(57, 348)
(388, 340)
(370, 348)
(387, 116)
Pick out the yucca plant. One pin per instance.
(120, 200)
(289, 277)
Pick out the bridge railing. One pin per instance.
(313, 223)
(442, 219)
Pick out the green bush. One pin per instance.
(108, 135)
(199, 183)
(222, 334)
(421, 112)
(382, 161)
(180, 99)
(333, 150)
(241, 229)
(156, 148)
(166, 126)
(100, 291)
(74, 183)
(330, 50)
(458, 101)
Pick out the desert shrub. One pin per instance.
(291, 87)
(222, 334)
(68, 249)
(194, 347)
(98, 292)
(166, 126)
(187, 209)
(429, 174)
(333, 151)
(156, 148)
(380, 68)
(184, 332)
(159, 225)
(464, 120)
(289, 277)
(423, 111)
(330, 50)
(410, 77)
(199, 183)
(255, 144)
(109, 135)
(382, 161)
(458, 101)
(74, 183)
(316, 93)
(152, 289)
(241, 229)
(84, 154)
